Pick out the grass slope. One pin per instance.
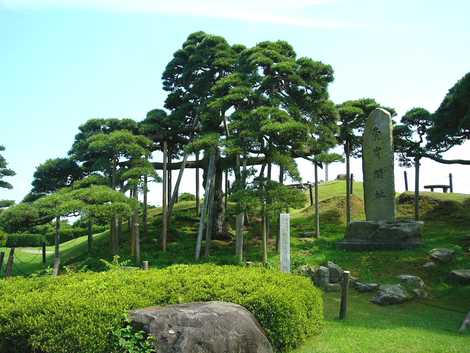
(419, 327)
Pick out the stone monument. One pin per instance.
(284, 241)
(380, 230)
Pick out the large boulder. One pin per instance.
(460, 276)
(442, 255)
(414, 284)
(365, 287)
(322, 277)
(411, 281)
(212, 327)
(336, 272)
(391, 294)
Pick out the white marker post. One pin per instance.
(284, 235)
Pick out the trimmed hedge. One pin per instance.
(23, 240)
(77, 313)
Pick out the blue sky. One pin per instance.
(63, 62)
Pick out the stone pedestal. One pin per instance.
(382, 235)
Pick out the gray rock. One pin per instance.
(307, 271)
(460, 276)
(411, 282)
(336, 272)
(420, 293)
(391, 294)
(378, 167)
(429, 265)
(442, 255)
(370, 235)
(212, 327)
(322, 277)
(365, 287)
(332, 287)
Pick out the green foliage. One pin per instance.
(6, 203)
(81, 152)
(409, 135)
(353, 115)
(23, 240)
(19, 218)
(55, 174)
(451, 121)
(79, 312)
(130, 340)
(5, 171)
(186, 196)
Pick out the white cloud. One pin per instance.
(264, 11)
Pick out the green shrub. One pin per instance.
(23, 240)
(78, 313)
(186, 196)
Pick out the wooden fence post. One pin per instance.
(2, 257)
(43, 246)
(145, 265)
(351, 188)
(311, 194)
(11, 259)
(344, 295)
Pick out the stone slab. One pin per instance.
(382, 235)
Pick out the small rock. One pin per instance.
(420, 293)
(322, 277)
(442, 255)
(353, 279)
(410, 281)
(336, 272)
(429, 265)
(391, 294)
(365, 287)
(333, 287)
(460, 276)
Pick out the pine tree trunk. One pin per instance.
(218, 204)
(326, 172)
(114, 221)
(317, 204)
(145, 213)
(205, 207)
(135, 228)
(348, 185)
(164, 197)
(57, 238)
(210, 217)
(170, 183)
(90, 236)
(174, 196)
(198, 201)
(416, 196)
(131, 226)
(265, 235)
(268, 200)
(239, 237)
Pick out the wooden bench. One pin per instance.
(432, 187)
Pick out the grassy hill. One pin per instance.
(421, 326)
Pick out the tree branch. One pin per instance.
(446, 161)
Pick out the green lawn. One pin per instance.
(425, 326)
(416, 327)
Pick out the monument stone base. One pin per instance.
(382, 235)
